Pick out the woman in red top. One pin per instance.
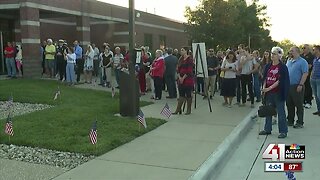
(157, 71)
(142, 72)
(10, 62)
(185, 80)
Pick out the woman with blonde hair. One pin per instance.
(88, 64)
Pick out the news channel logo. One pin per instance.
(283, 158)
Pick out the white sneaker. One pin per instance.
(308, 106)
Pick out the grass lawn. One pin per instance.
(66, 126)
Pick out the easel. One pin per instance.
(198, 57)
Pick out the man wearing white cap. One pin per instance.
(50, 52)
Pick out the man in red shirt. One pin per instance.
(10, 62)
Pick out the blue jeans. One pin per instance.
(274, 99)
(315, 85)
(117, 74)
(70, 74)
(256, 86)
(11, 66)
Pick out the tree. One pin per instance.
(286, 44)
(228, 23)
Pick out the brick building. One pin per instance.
(31, 21)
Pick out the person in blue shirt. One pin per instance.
(298, 73)
(315, 78)
(79, 60)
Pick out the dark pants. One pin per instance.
(308, 91)
(158, 84)
(257, 86)
(185, 91)
(238, 90)
(142, 81)
(96, 67)
(79, 68)
(43, 65)
(171, 85)
(295, 100)
(61, 64)
(246, 81)
(200, 84)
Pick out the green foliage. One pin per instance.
(286, 44)
(223, 24)
(66, 126)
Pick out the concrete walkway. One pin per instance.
(243, 159)
(175, 150)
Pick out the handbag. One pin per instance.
(266, 110)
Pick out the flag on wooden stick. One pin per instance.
(56, 94)
(166, 112)
(8, 128)
(93, 133)
(141, 119)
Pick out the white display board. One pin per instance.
(200, 57)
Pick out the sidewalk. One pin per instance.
(243, 158)
(175, 150)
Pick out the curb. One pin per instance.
(216, 161)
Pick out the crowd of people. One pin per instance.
(286, 81)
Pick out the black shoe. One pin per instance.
(258, 100)
(263, 132)
(282, 135)
(211, 97)
(298, 126)
(289, 124)
(316, 113)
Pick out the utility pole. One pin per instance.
(129, 98)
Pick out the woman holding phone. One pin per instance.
(228, 86)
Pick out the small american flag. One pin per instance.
(9, 129)
(141, 119)
(56, 94)
(166, 112)
(113, 93)
(93, 133)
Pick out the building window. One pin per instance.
(162, 40)
(148, 40)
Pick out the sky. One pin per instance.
(289, 19)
